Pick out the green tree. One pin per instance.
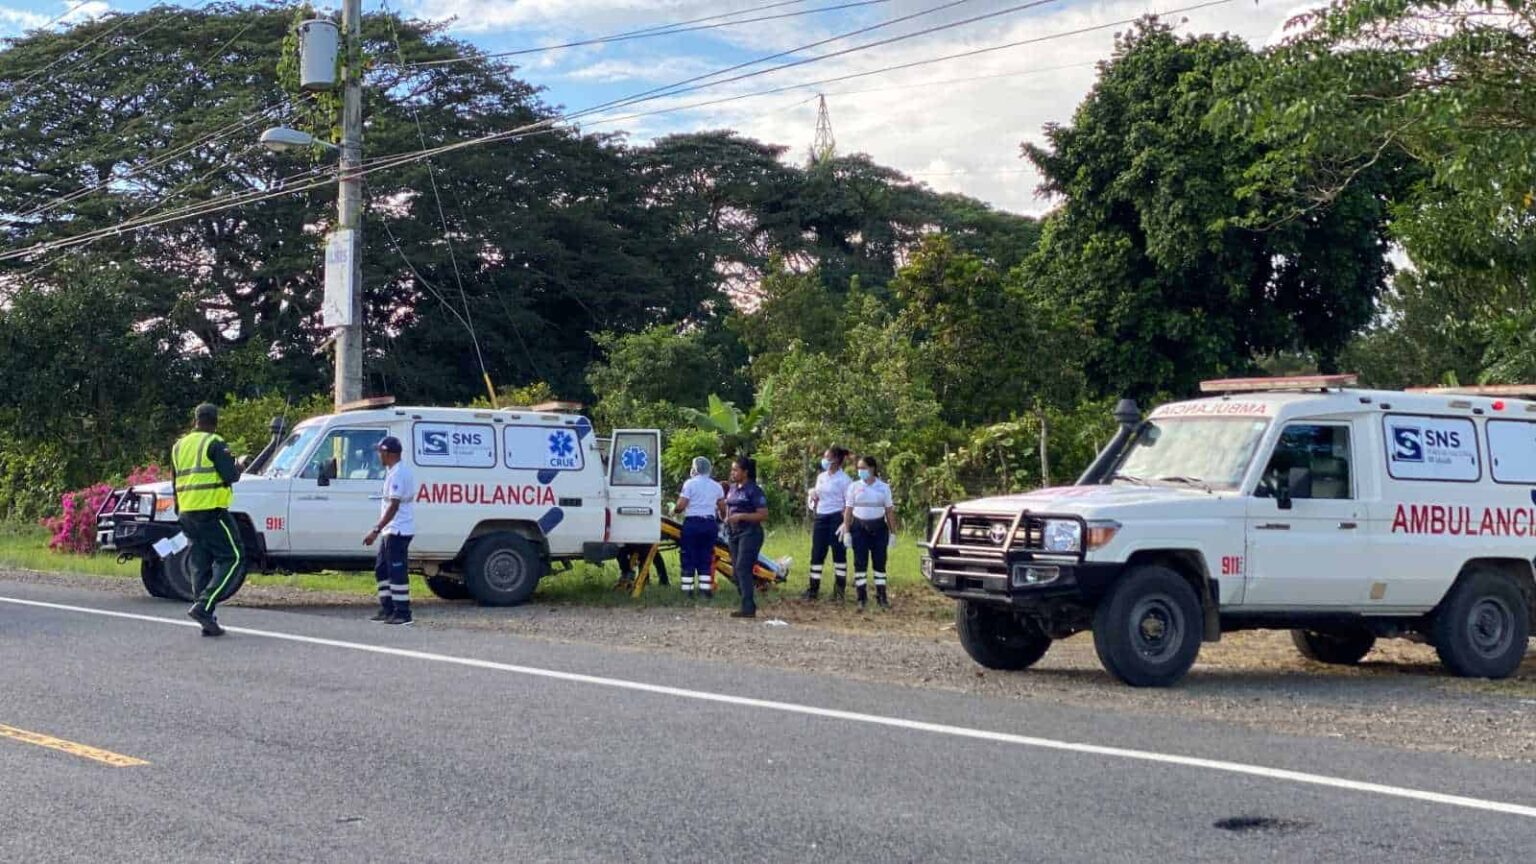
(1440, 92)
(646, 376)
(1154, 256)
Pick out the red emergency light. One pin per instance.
(1271, 385)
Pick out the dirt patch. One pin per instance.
(1398, 697)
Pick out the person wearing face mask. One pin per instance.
(745, 509)
(869, 521)
(827, 501)
(699, 504)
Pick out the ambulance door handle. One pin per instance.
(314, 497)
(1348, 526)
(1274, 526)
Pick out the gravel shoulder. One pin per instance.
(1398, 697)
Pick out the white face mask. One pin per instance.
(826, 464)
(865, 474)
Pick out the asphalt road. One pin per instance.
(320, 739)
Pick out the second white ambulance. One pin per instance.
(502, 495)
(1343, 515)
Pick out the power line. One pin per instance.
(902, 66)
(62, 15)
(164, 18)
(650, 33)
(657, 92)
(469, 316)
(540, 127)
(169, 156)
(679, 89)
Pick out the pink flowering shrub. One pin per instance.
(74, 530)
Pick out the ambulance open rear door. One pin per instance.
(634, 487)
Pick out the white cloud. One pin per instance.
(571, 16)
(955, 135)
(607, 71)
(15, 21)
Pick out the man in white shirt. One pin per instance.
(396, 526)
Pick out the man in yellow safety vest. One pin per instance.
(204, 473)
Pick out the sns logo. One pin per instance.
(434, 444)
(1407, 444)
(467, 439)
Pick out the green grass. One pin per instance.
(25, 547)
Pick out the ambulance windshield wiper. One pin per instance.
(1129, 479)
(1187, 481)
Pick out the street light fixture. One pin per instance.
(281, 138)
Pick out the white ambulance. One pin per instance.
(502, 495)
(1343, 515)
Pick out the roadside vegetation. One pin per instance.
(1217, 211)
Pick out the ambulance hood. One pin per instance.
(1098, 501)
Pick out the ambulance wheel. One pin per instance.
(152, 574)
(1148, 630)
(502, 570)
(447, 587)
(1481, 627)
(179, 579)
(1336, 647)
(998, 639)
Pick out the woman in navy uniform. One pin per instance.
(745, 509)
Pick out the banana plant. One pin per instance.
(739, 430)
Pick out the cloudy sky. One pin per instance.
(954, 124)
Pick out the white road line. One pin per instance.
(1527, 811)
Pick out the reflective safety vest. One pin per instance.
(198, 485)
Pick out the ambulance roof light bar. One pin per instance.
(366, 404)
(1506, 391)
(1276, 385)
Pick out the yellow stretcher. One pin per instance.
(766, 571)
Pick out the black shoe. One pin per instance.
(404, 620)
(207, 620)
(382, 616)
(688, 595)
(812, 594)
(742, 613)
(863, 606)
(706, 594)
(839, 595)
(882, 600)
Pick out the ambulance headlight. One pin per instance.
(1063, 536)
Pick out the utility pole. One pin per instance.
(349, 337)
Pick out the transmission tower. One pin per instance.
(825, 145)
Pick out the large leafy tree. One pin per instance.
(1444, 88)
(1155, 256)
(535, 242)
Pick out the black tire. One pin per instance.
(1336, 647)
(176, 574)
(1148, 630)
(448, 587)
(1481, 627)
(152, 574)
(997, 638)
(502, 569)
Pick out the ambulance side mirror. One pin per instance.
(327, 472)
(1283, 496)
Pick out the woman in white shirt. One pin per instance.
(699, 506)
(827, 501)
(869, 521)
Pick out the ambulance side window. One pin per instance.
(1313, 461)
(348, 454)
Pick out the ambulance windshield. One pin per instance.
(1209, 452)
(286, 459)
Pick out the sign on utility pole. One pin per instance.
(349, 322)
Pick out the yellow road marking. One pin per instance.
(106, 757)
